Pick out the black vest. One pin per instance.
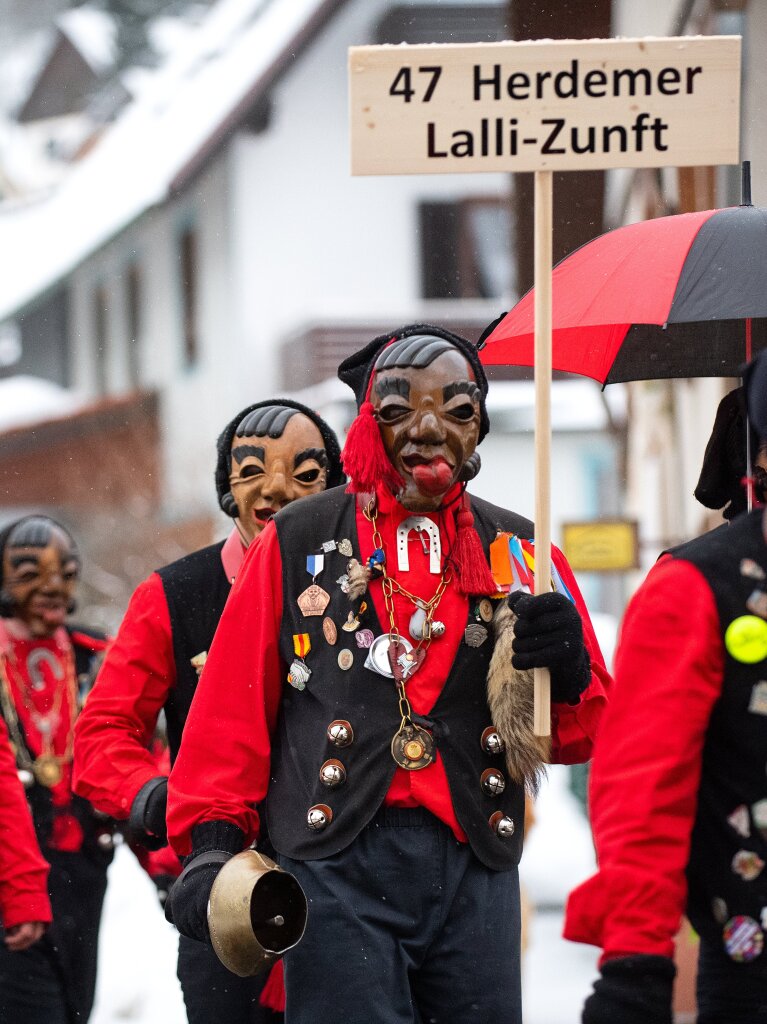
(368, 702)
(196, 590)
(734, 775)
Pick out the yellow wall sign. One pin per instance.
(601, 545)
(552, 105)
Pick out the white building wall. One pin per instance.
(311, 241)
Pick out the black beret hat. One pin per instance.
(357, 369)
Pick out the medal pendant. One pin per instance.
(313, 601)
(47, 770)
(412, 748)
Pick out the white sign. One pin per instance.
(554, 105)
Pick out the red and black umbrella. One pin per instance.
(679, 296)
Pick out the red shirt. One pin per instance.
(115, 728)
(42, 681)
(23, 871)
(222, 770)
(647, 765)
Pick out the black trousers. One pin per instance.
(730, 992)
(213, 995)
(405, 926)
(54, 982)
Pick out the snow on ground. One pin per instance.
(137, 977)
(137, 956)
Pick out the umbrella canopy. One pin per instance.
(680, 296)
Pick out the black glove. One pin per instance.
(147, 814)
(213, 844)
(548, 634)
(632, 990)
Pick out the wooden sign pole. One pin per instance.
(543, 256)
(545, 106)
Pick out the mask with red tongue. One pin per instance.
(434, 477)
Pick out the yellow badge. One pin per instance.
(746, 639)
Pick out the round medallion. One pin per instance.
(485, 609)
(492, 782)
(502, 825)
(47, 770)
(340, 733)
(345, 659)
(743, 939)
(332, 773)
(412, 748)
(378, 654)
(329, 630)
(491, 741)
(746, 639)
(319, 817)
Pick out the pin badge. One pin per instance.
(198, 662)
(757, 705)
(299, 673)
(329, 630)
(352, 623)
(750, 569)
(757, 603)
(747, 864)
(343, 582)
(719, 910)
(746, 639)
(345, 659)
(328, 546)
(474, 634)
(314, 600)
(364, 637)
(743, 939)
(345, 547)
(740, 821)
(485, 610)
(759, 814)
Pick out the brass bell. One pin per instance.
(340, 733)
(256, 913)
(318, 817)
(502, 825)
(491, 741)
(492, 782)
(332, 773)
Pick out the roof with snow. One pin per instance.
(186, 109)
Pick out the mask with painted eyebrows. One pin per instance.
(427, 404)
(40, 570)
(277, 456)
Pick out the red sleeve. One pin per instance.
(23, 871)
(573, 728)
(112, 734)
(222, 769)
(647, 765)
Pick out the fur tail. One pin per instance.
(510, 697)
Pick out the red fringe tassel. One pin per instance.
(364, 457)
(474, 576)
